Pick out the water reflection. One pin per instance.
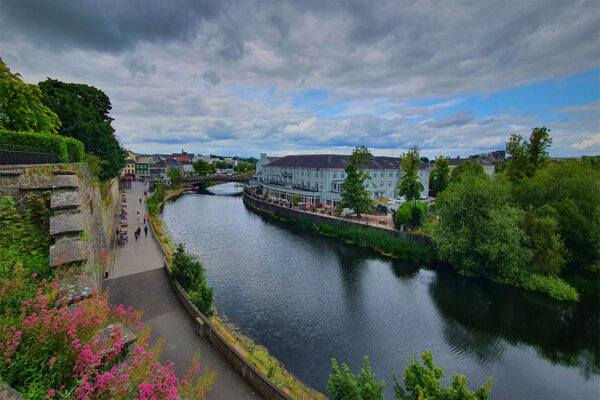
(477, 315)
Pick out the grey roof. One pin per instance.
(271, 159)
(335, 161)
(457, 161)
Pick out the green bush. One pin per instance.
(75, 148)
(191, 275)
(551, 285)
(62, 147)
(344, 385)
(53, 143)
(157, 198)
(411, 213)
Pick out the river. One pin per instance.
(308, 298)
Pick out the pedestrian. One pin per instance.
(145, 193)
(139, 216)
(140, 200)
(145, 219)
(136, 235)
(146, 230)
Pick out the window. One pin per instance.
(367, 185)
(334, 174)
(382, 175)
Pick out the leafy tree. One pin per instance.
(410, 186)
(440, 175)
(295, 199)
(527, 157)
(425, 382)
(344, 385)
(354, 194)
(478, 231)
(175, 175)
(221, 165)
(466, 168)
(412, 213)
(202, 167)
(571, 188)
(191, 275)
(541, 227)
(84, 113)
(22, 107)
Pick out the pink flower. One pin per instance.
(50, 393)
(52, 361)
(8, 360)
(33, 275)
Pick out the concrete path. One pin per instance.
(139, 280)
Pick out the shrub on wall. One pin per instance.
(75, 148)
(60, 146)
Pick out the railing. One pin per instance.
(14, 154)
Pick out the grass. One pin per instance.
(380, 241)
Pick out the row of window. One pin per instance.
(342, 175)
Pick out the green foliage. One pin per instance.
(21, 107)
(24, 238)
(203, 168)
(527, 157)
(410, 186)
(221, 165)
(94, 163)
(157, 198)
(245, 167)
(541, 227)
(84, 113)
(571, 189)
(175, 175)
(75, 148)
(467, 168)
(191, 275)
(478, 231)
(53, 143)
(375, 239)
(354, 194)
(440, 175)
(551, 285)
(412, 213)
(344, 385)
(425, 382)
(295, 199)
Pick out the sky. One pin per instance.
(298, 77)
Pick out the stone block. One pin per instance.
(8, 393)
(65, 182)
(66, 251)
(64, 200)
(65, 224)
(64, 172)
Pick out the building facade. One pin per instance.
(142, 168)
(318, 178)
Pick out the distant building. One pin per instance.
(488, 162)
(129, 168)
(142, 168)
(158, 170)
(206, 159)
(319, 177)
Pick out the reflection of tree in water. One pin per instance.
(352, 263)
(487, 348)
(405, 270)
(564, 333)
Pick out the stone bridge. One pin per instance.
(191, 180)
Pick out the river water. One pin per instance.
(308, 298)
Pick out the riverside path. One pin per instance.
(138, 280)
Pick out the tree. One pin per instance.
(412, 213)
(425, 382)
(527, 157)
(344, 385)
(295, 200)
(22, 107)
(541, 227)
(354, 193)
(221, 165)
(175, 175)
(84, 113)
(479, 231)
(203, 168)
(191, 275)
(466, 168)
(410, 185)
(440, 175)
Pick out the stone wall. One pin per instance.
(82, 218)
(265, 207)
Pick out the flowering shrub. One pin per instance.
(52, 351)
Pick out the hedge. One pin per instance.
(61, 146)
(75, 148)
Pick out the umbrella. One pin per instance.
(323, 204)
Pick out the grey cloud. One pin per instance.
(139, 67)
(211, 77)
(459, 118)
(593, 107)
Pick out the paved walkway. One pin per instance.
(139, 280)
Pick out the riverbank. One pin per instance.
(218, 329)
(388, 242)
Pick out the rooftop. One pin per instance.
(335, 161)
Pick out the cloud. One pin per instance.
(139, 67)
(211, 77)
(459, 118)
(593, 141)
(593, 107)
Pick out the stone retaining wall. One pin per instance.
(265, 207)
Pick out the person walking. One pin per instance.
(139, 216)
(146, 231)
(136, 235)
(140, 200)
(145, 219)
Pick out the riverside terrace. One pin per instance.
(319, 177)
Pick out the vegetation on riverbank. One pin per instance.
(383, 242)
(259, 356)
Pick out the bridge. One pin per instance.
(195, 179)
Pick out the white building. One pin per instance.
(206, 159)
(488, 167)
(319, 177)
